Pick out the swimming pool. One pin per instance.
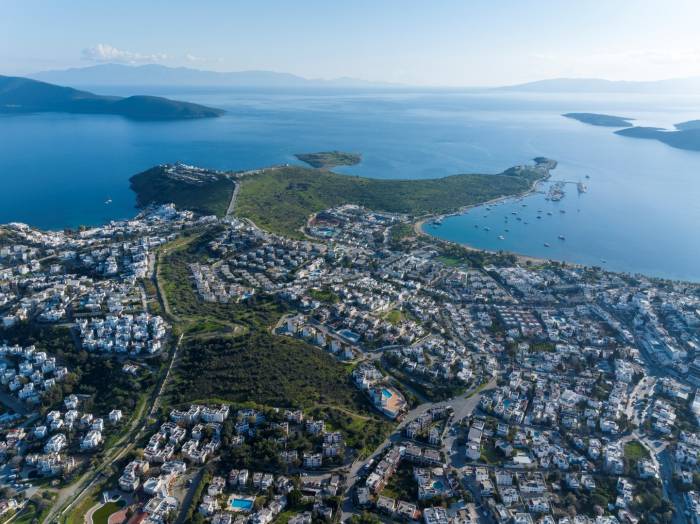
(241, 504)
(386, 393)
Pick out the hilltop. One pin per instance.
(24, 95)
(200, 190)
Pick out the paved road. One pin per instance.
(234, 195)
(463, 406)
(88, 480)
(189, 496)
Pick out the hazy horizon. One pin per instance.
(38, 75)
(450, 44)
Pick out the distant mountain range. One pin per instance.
(158, 75)
(597, 85)
(24, 95)
(155, 75)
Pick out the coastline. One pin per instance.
(420, 223)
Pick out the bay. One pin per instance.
(640, 214)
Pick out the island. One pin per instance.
(596, 119)
(688, 139)
(688, 126)
(686, 136)
(23, 95)
(329, 159)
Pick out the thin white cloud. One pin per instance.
(108, 53)
(200, 59)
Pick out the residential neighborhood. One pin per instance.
(507, 393)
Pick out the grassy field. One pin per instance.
(280, 200)
(395, 316)
(77, 515)
(401, 485)
(209, 198)
(262, 368)
(634, 451)
(229, 353)
(101, 516)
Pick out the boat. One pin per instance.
(588, 176)
(538, 216)
(562, 237)
(108, 201)
(581, 187)
(549, 213)
(562, 211)
(507, 230)
(546, 244)
(487, 229)
(501, 237)
(519, 218)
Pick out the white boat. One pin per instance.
(546, 244)
(108, 201)
(562, 237)
(501, 237)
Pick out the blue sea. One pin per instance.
(640, 214)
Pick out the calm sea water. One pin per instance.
(641, 212)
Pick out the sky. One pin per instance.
(417, 42)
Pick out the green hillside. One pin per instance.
(23, 95)
(280, 200)
(209, 196)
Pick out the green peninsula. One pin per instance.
(596, 119)
(201, 190)
(329, 159)
(281, 199)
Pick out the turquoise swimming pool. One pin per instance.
(241, 504)
(386, 393)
